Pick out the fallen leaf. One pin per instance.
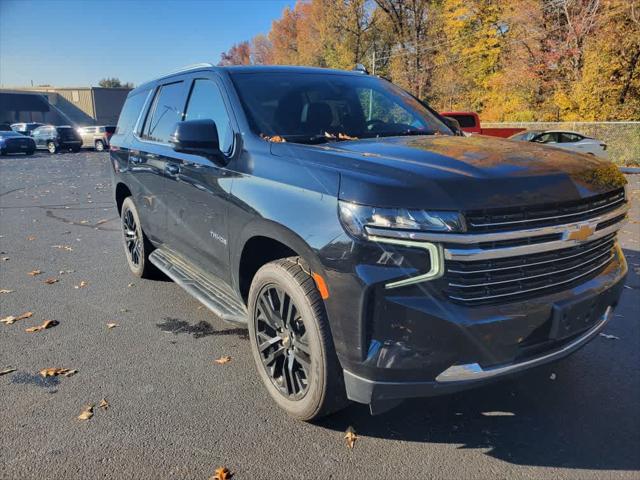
(63, 247)
(4, 290)
(7, 370)
(84, 222)
(130, 285)
(33, 273)
(112, 325)
(553, 376)
(223, 360)
(609, 337)
(51, 280)
(46, 324)
(54, 372)
(274, 139)
(64, 272)
(350, 436)
(82, 284)
(11, 319)
(5, 259)
(103, 404)
(222, 473)
(31, 238)
(86, 413)
(100, 222)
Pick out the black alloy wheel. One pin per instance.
(282, 342)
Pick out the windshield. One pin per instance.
(312, 107)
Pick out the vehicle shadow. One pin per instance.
(581, 412)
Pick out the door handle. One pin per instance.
(172, 169)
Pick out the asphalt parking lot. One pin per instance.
(175, 413)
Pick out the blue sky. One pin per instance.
(76, 43)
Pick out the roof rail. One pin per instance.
(189, 67)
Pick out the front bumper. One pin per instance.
(415, 342)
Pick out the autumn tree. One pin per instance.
(238, 54)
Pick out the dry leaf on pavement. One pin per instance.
(4, 259)
(11, 319)
(86, 413)
(4, 371)
(51, 280)
(223, 360)
(82, 284)
(112, 325)
(5, 290)
(54, 372)
(44, 326)
(33, 273)
(103, 404)
(222, 473)
(350, 436)
(63, 247)
(31, 238)
(100, 222)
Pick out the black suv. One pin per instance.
(59, 138)
(372, 254)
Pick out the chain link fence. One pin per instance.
(622, 138)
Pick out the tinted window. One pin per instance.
(110, 129)
(205, 102)
(130, 112)
(465, 121)
(167, 111)
(569, 138)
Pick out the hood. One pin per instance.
(457, 173)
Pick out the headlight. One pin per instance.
(358, 218)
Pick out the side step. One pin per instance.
(208, 289)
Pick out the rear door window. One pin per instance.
(205, 102)
(550, 137)
(167, 110)
(569, 138)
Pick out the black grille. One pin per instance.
(497, 220)
(508, 279)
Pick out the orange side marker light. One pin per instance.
(322, 286)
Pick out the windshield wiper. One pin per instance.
(407, 133)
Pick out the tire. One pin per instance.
(307, 339)
(52, 147)
(75, 149)
(99, 145)
(30, 152)
(136, 245)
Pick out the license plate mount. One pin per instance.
(573, 317)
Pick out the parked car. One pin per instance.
(58, 138)
(5, 127)
(14, 142)
(564, 139)
(372, 254)
(25, 128)
(470, 123)
(96, 137)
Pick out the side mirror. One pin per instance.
(454, 125)
(197, 137)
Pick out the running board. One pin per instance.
(208, 289)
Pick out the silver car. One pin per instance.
(574, 141)
(96, 137)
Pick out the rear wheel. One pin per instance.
(99, 146)
(52, 147)
(31, 152)
(136, 245)
(75, 149)
(291, 341)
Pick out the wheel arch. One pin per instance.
(262, 242)
(121, 192)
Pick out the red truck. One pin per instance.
(470, 123)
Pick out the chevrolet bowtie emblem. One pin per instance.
(582, 233)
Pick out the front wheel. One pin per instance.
(136, 245)
(52, 147)
(30, 152)
(99, 146)
(291, 341)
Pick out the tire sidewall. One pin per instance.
(137, 270)
(55, 148)
(308, 406)
(99, 145)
